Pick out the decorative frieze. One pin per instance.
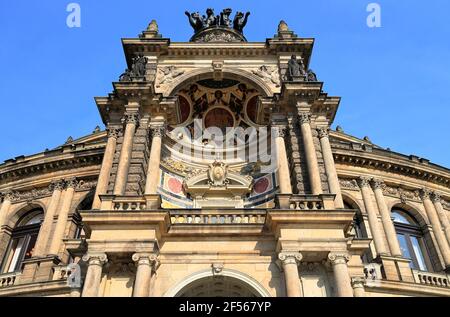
(349, 184)
(167, 74)
(39, 193)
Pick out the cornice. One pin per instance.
(66, 161)
(397, 165)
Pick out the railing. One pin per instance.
(218, 217)
(127, 205)
(433, 279)
(306, 202)
(9, 279)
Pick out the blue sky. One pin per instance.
(393, 80)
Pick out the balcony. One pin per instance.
(431, 279)
(218, 217)
(9, 279)
(306, 202)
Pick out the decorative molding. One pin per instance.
(350, 184)
(166, 75)
(382, 165)
(358, 282)
(270, 74)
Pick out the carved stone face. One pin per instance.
(218, 173)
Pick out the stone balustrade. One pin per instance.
(432, 279)
(306, 202)
(9, 279)
(218, 217)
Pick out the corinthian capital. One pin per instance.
(358, 282)
(425, 193)
(279, 132)
(98, 259)
(436, 197)
(158, 131)
(304, 117)
(149, 259)
(377, 183)
(132, 118)
(323, 132)
(364, 181)
(290, 258)
(56, 185)
(114, 132)
(71, 182)
(338, 258)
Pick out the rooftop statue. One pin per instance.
(223, 20)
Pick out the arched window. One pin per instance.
(357, 222)
(23, 241)
(410, 237)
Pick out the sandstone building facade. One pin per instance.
(335, 216)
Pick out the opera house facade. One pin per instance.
(218, 176)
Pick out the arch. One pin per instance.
(233, 73)
(420, 217)
(352, 201)
(16, 215)
(250, 282)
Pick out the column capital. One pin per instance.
(279, 131)
(364, 181)
(338, 257)
(98, 259)
(158, 131)
(425, 193)
(377, 183)
(113, 132)
(358, 282)
(131, 117)
(56, 185)
(290, 257)
(436, 197)
(323, 132)
(71, 182)
(150, 259)
(304, 117)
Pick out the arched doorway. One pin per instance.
(228, 283)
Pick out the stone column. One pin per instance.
(330, 167)
(94, 273)
(436, 198)
(311, 156)
(364, 184)
(46, 227)
(290, 262)
(131, 121)
(4, 211)
(358, 287)
(386, 218)
(341, 275)
(61, 224)
(145, 263)
(435, 223)
(105, 172)
(284, 177)
(151, 184)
